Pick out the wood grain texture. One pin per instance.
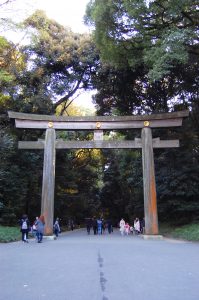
(89, 125)
(158, 116)
(149, 185)
(98, 144)
(48, 184)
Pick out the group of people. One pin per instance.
(37, 228)
(137, 228)
(99, 225)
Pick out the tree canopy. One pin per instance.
(60, 62)
(141, 58)
(156, 34)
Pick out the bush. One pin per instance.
(9, 234)
(187, 232)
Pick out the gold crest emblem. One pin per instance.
(98, 125)
(146, 123)
(50, 124)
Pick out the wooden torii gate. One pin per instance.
(98, 124)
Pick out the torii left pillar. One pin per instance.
(48, 185)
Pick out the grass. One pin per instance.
(189, 232)
(9, 234)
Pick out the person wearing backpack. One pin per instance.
(56, 227)
(24, 223)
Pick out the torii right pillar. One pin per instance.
(150, 201)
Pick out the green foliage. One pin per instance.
(11, 66)
(177, 174)
(60, 63)
(20, 175)
(171, 52)
(5, 77)
(9, 234)
(78, 174)
(121, 193)
(148, 63)
(188, 232)
(160, 34)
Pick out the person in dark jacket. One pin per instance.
(25, 225)
(109, 226)
(56, 227)
(94, 225)
(142, 226)
(99, 226)
(89, 224)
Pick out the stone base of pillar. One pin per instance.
(152, 237)
(49, 237)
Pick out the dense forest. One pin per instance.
(142, 57)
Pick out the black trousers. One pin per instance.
(24, 234)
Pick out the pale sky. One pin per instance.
(66, 12)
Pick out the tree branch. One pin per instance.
(60, 101)
(6, 2)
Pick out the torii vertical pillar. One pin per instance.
(150, 202)
(48, 185)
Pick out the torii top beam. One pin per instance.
(23, 120)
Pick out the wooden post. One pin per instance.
(150, 203)
(47, 205)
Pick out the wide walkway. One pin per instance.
(107, 267)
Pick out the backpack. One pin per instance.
(24, 225)
(56, 227)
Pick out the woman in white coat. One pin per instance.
(137, 226)
(122, 226)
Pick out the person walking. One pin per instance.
(109, 226)
(137, 226)
(142, 226)
(94, 226)
(25, 225)
(99, 226)
(70, 224)
(40, 223)
(122, 226)
(127, 228)
(34, 228)
(56, 227)
(103, 226)
(88, 225)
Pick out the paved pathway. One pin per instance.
(107, 267)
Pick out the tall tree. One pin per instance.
(11, 65)
(60, 64)
(158, 34)
(150, 54)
